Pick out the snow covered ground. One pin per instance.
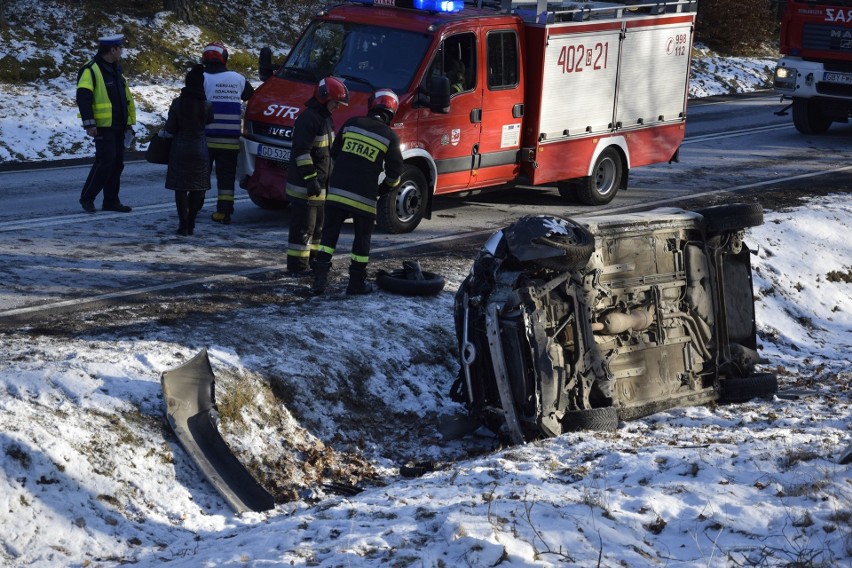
(91, 476)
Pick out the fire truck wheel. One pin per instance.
(808, 117)
(401, 210)
(600, 187)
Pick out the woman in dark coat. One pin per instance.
(189, 168)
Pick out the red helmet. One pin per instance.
(215, 51)
(384, 101)
(332, 89)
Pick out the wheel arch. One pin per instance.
(423, 161)
(619, 143)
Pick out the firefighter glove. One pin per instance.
(314, 188)
(384, 189)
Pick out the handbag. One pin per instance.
(159, 148)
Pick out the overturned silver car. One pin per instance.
(566, 326)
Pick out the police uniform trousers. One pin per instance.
(105, 174)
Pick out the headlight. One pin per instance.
(785, 78)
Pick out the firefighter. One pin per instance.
(225, 90)
(365, 147)
(308, 171)
(108, 114)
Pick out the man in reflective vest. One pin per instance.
(108, 113)
(226, 90)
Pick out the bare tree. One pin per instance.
(183, 9)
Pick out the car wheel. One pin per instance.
(760, 385)
(598, 419)
(401, 210)
(578, 250)
(600, 187)
(808, 117)
(396, 282)
(733, 217)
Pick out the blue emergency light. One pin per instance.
(425, 5)
(439, 5)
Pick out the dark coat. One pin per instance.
(313, 134)
(189, 165)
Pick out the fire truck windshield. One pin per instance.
(370, 56)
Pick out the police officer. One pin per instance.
(225, 90)
(309, 169)
(365, 147)
(108, 113)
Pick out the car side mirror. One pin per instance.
(265, 66)
(439, 94)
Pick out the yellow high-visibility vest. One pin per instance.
(102, 106)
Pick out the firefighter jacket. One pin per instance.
(225, 90)
(103, 97)
(365, 147)
(313, 134)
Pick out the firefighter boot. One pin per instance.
(223, 212)
(357, 282)
(321, 270)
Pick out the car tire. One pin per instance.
(733, 217)
(401, 210)
(597, 419)
(577, 247)
(396, 283)
(600, 187)
(808, 117)
(760, 385)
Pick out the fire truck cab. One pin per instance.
(570, 94)
(816, 70)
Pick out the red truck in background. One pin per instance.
(573, 94)
(816, 70)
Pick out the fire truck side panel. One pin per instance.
(579, 82)
(653, 80)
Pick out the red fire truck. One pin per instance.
(816, 70)
(536, 93)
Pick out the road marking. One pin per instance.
(735, 133)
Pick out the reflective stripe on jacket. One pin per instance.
(225, 90)
(366, 146)
(313, 135)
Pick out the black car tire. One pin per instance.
(733, 217)
(401, 210)
(760, 385)
(578, 250)
(600, 187)
(597, 419)
(808, 117)
(396, 283)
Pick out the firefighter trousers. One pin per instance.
(224, 163)
(363, 225)
(306, 222)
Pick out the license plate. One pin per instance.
(273, 153)
(843, 78)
